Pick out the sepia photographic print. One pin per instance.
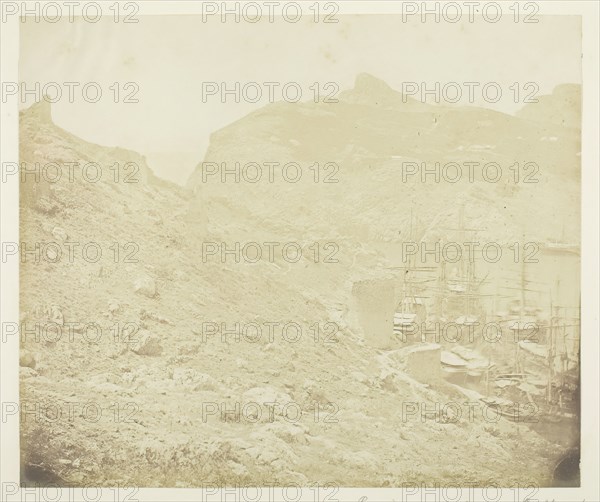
(299, 251)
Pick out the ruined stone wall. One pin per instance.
(374, 304)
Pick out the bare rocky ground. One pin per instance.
(152, 383)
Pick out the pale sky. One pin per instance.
(170, 56)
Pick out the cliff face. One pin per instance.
(561, 108)
(58, 165)
(370, 132)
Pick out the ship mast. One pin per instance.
(550, 353)
(521, 316)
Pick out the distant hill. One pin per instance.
(370, 132)
(562, 107)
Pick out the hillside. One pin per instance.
(345, 398)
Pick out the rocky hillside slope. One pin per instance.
(156, 377)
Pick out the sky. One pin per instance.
(169, 57)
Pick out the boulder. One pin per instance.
(189, 377)
(59, 234)
(146, 344)
(27, 360)
(57, 315)
(360, 377)
(289, 432)
(146, 286)
(270, 450)
(114, 307)
(26, 372)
